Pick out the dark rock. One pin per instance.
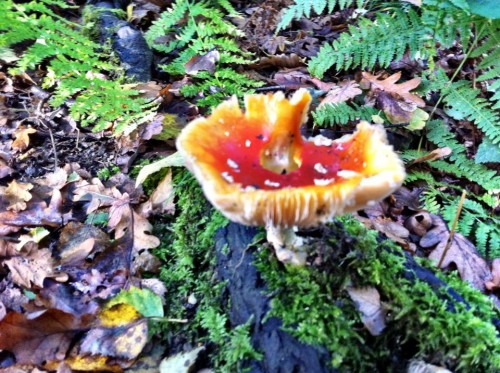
(282, 352)
(128, 42)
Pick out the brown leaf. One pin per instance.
(433, 155)
(119, 207)
(22, 139)
(56, 179)
(162, 199)
(494, 283)
(389, 85)
(205, 62)
(93, 192)
(345, 90)
(462, 253)
(143, 239)
(18, 194)
(31, 266)
(397, 111)
(125, 341)
(42, 339)
(367, 301)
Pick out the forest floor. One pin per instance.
(108, 249)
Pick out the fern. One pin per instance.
(305, 8)
(475, 221)
(460, 165)
(73, 63)
(369, 43)
(342, 113)
(202, 29)
(464, 101)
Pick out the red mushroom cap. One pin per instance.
(257, 169)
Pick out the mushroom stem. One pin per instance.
(287, 245)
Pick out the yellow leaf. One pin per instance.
(18, 194)
(22, 138)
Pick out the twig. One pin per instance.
(453, 227)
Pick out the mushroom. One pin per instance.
(257, 169)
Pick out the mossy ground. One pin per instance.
(423, 321)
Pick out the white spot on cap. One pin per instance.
(226, 133)
(272, 183)
(321, 140)
(232, 164)
(347, 174)
(339, 146)
(248, 143)
(221, 120)
(228, 177)
(322, 182)
(320, 168)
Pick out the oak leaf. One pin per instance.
(342, 92)
(22, 140)
(32, 266)
(389, 85)
(18, 194)
(143, 239)
(461, 253)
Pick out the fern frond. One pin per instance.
(380, 42)
(306, 8)
(342, 113)
(461, 166)
(463, 101)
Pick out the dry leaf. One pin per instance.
(31, 266)
(161, 200)
(181, 362)
(205, 62)
(433, 155)
(461, 253)
(18, 194)
(56, 179)
(494, 283)
(389, 85)
(22, 139)
(367, 301)
(125, 341)
(39, 340)
(119, 207)
(143, 239)
(345, 90)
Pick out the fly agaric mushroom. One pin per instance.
(257, 169)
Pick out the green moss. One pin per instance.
(189, 254)
(421, 322)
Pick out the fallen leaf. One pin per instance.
(433, 155)
(494, 283)
(56, 179)
(389, 85)
(39, 340)
(204, 62)
(22, 139)
(18, 194)
(395, 110)
(174, 160)
(181, 362)
(418, 119)
(461, 253)
(161, 200)
(143, 239)
(145, 301)
(125, 341)
(119, 207)
(345, 90)
(32, 266)
(367, 301)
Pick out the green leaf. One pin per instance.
(486, 8)
(487, 152)
(145, 301)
